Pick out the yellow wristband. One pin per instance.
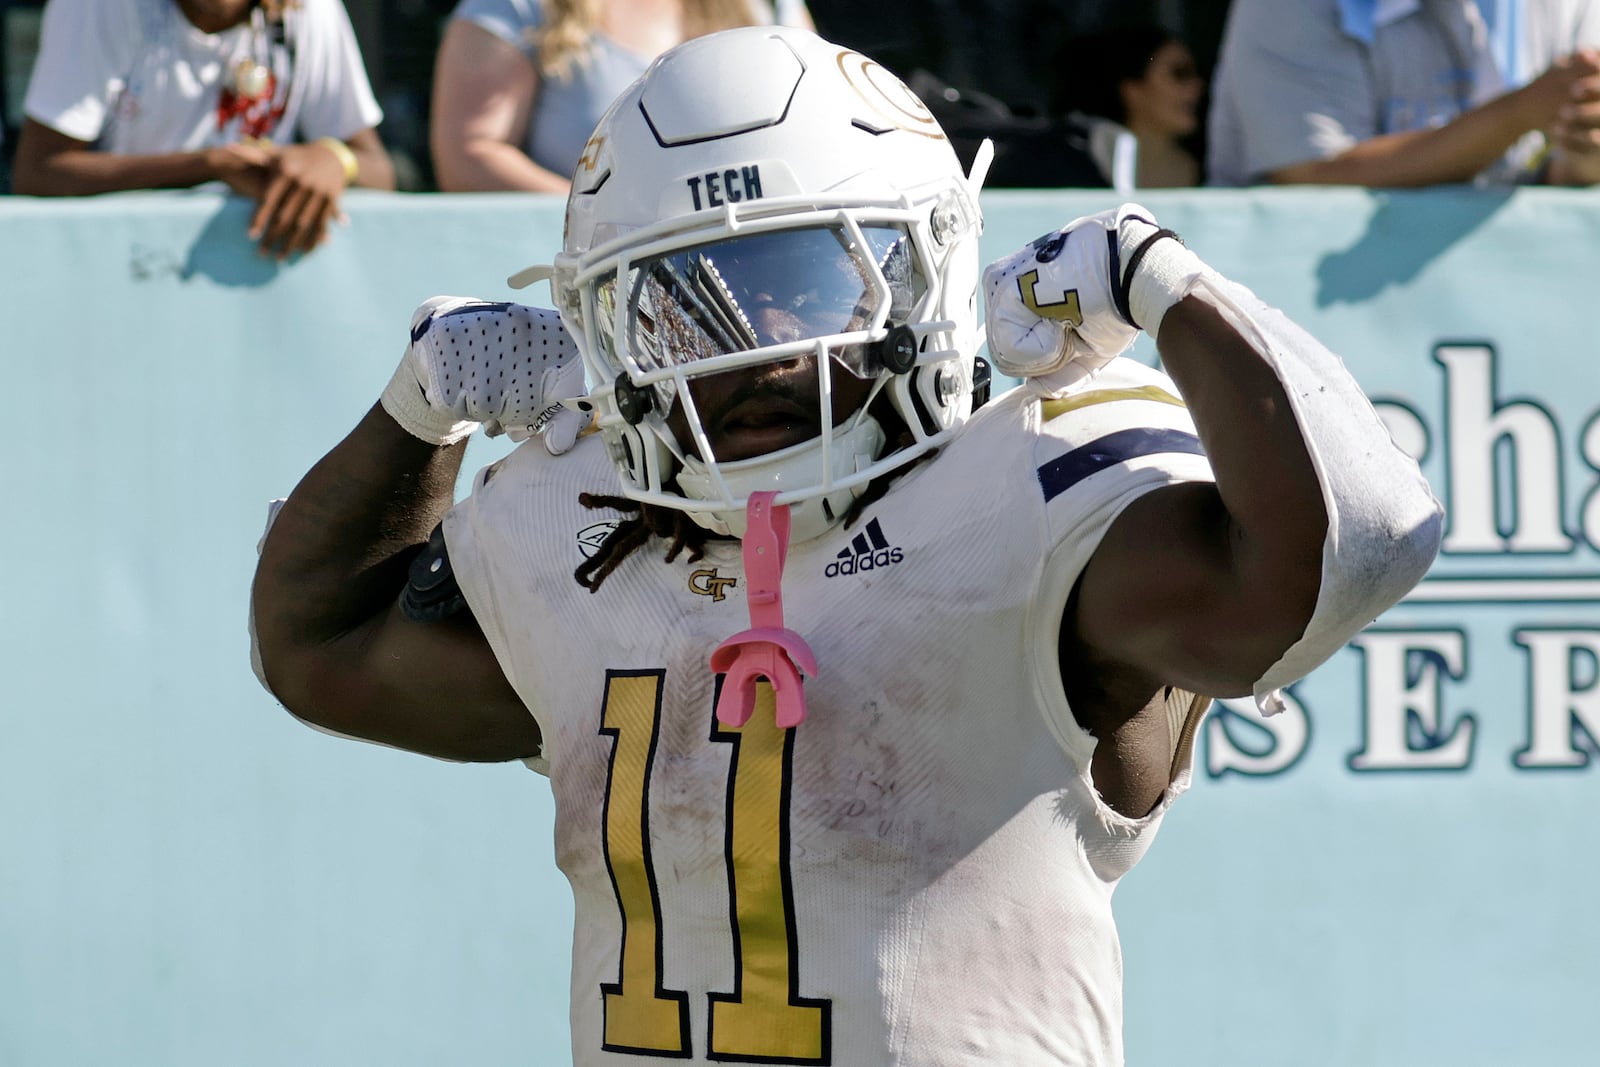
(347, 159)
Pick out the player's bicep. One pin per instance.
(434, 686)
(1174, 592)
(426, 684)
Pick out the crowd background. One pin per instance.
(954, 40)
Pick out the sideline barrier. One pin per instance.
(1393, 872)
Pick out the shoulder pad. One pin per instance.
(431, 592)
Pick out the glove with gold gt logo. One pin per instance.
(1073, 300)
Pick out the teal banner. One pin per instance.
(1395, 871)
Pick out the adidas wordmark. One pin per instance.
(868, 550)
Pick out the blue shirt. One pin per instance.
(566, 108)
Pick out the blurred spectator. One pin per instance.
(1030, 151)
(1407, 93)
(268, 96)
(1144, 79)
(1001, 48)
(519, 84)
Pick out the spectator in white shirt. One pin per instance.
(268, 96)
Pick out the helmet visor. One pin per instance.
(758, 290)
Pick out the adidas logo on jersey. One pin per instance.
(868, 550)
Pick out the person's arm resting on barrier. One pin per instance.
(1459, 150)
(1300, 91)
(50, 163)
(483, 97)
(1315, 525)
(334, 644)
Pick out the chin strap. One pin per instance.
(768, 649)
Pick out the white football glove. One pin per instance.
(505, 367)
(1074, 300)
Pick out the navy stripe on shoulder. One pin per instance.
(476, 307)
(1064, 472)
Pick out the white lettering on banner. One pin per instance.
(1508, 547)
(1563, 697)
(1241, 741)
(1591, 456)
(1404, 721)
(1487, 439)
(1404, 727)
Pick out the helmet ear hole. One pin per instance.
(898, 349)
(633, 403)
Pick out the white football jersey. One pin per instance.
(920, 872)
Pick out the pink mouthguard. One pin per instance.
(768, 649)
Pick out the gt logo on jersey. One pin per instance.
(728, 186)
(1064, 310)
(708, 583)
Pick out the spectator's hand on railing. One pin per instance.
(1545, 101)
(1574, 136)
(300, 201)
(245, 166)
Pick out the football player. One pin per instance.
(868, 696)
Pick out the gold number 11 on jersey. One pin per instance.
(764, 1018)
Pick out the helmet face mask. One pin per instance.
(757, 290)
(810, 218)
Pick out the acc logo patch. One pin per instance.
(590, 537)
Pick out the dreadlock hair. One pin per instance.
(651, 520)
(681, 532)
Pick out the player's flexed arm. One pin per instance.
(1316, 524)
(334, 644)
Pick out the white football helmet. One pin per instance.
(755, 169)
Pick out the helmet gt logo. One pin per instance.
(591, 153)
